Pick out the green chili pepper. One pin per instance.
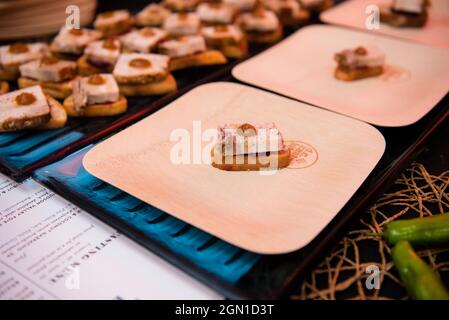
(421, 282)
(421, 231)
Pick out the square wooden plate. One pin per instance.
(416, 77)
(269, 214)
(352, 14)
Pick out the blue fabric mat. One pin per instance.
(219, 258)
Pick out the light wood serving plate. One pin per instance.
(352, 14)
(269, 214)
(416, 77)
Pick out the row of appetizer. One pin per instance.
(92, 71)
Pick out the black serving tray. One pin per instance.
(272, 276)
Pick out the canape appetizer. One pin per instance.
(152, 15)
(359, 63)
(95, 96)
(261, 26)
(14, 55)
(99, 57)
(289, 12)
(228, 39)
(190, 51)
(69, 44)
(180, 5)
(241, 5)
(246, 147)
(182, 24)
(140, 74)
(4, 87)
(30, 108)
(144, 40)
(405, 13)
(316, 5)
(112, 23)
(55, 76)
(213, 13)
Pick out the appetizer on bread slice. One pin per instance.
(112, 23)
(99, 57)
(290, 12)
(55, 76)
(405, 13)
(359, 63)
(246, 147)
(69, 44)
(216, 13)
(95, 96)
(228, 39)
(241, 5)
(316, 6)
(182, 24)
(190, 51)
(180, 5)
(143, 40)
(14, 55)
(153, 15)
(30, 108)
(143, 74)
(260, 26)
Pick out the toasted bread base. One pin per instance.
(117, 28)
(301, 18)
(251, 162)
(97, 110)
(164, 86)
(230, 49)
(63, 55)
(85, 68)
(9, 74)
(206, 58)
(357, 74)
(399, 20)
(58, 115)
(149, 22)
(319, 8)
(4, 87)
(57, 90)
(265, 37)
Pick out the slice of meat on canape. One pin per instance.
(261, 26)
(405, 13)
(144, 74)
(69, 44)
(216, 13)
(54, 75)
(14, 55)
(143, 40)
(153, 15)
(99, 57)
(30, 108)
(250, 148)
(95, 96)
(182, 24)
(190, 51)
(359, 63)
(228, 39)
(112, 23)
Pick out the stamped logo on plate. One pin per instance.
(302, 154)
